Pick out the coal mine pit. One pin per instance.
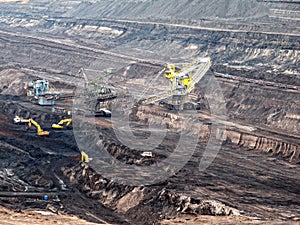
(132, 154)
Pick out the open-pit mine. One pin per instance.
(150, 112)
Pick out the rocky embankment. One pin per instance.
(132, 201)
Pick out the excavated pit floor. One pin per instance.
(250, 179)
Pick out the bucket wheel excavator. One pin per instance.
(182, 80)
(98, 93)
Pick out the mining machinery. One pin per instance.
(61, 123)
(98, 93)
(182, 79)
(40, 132)
(39, 91)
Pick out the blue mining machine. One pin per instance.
(39, 91)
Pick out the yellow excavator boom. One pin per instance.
(40, 132)
(61, 123)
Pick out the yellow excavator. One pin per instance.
(61, 123)
(84, 157)
(40, 132)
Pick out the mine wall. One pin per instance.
(278, 148)
(132, 201)
(278, 52)
(247, 141)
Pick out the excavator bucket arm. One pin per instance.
(40, 132)
(30, 122)
(61, 123)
